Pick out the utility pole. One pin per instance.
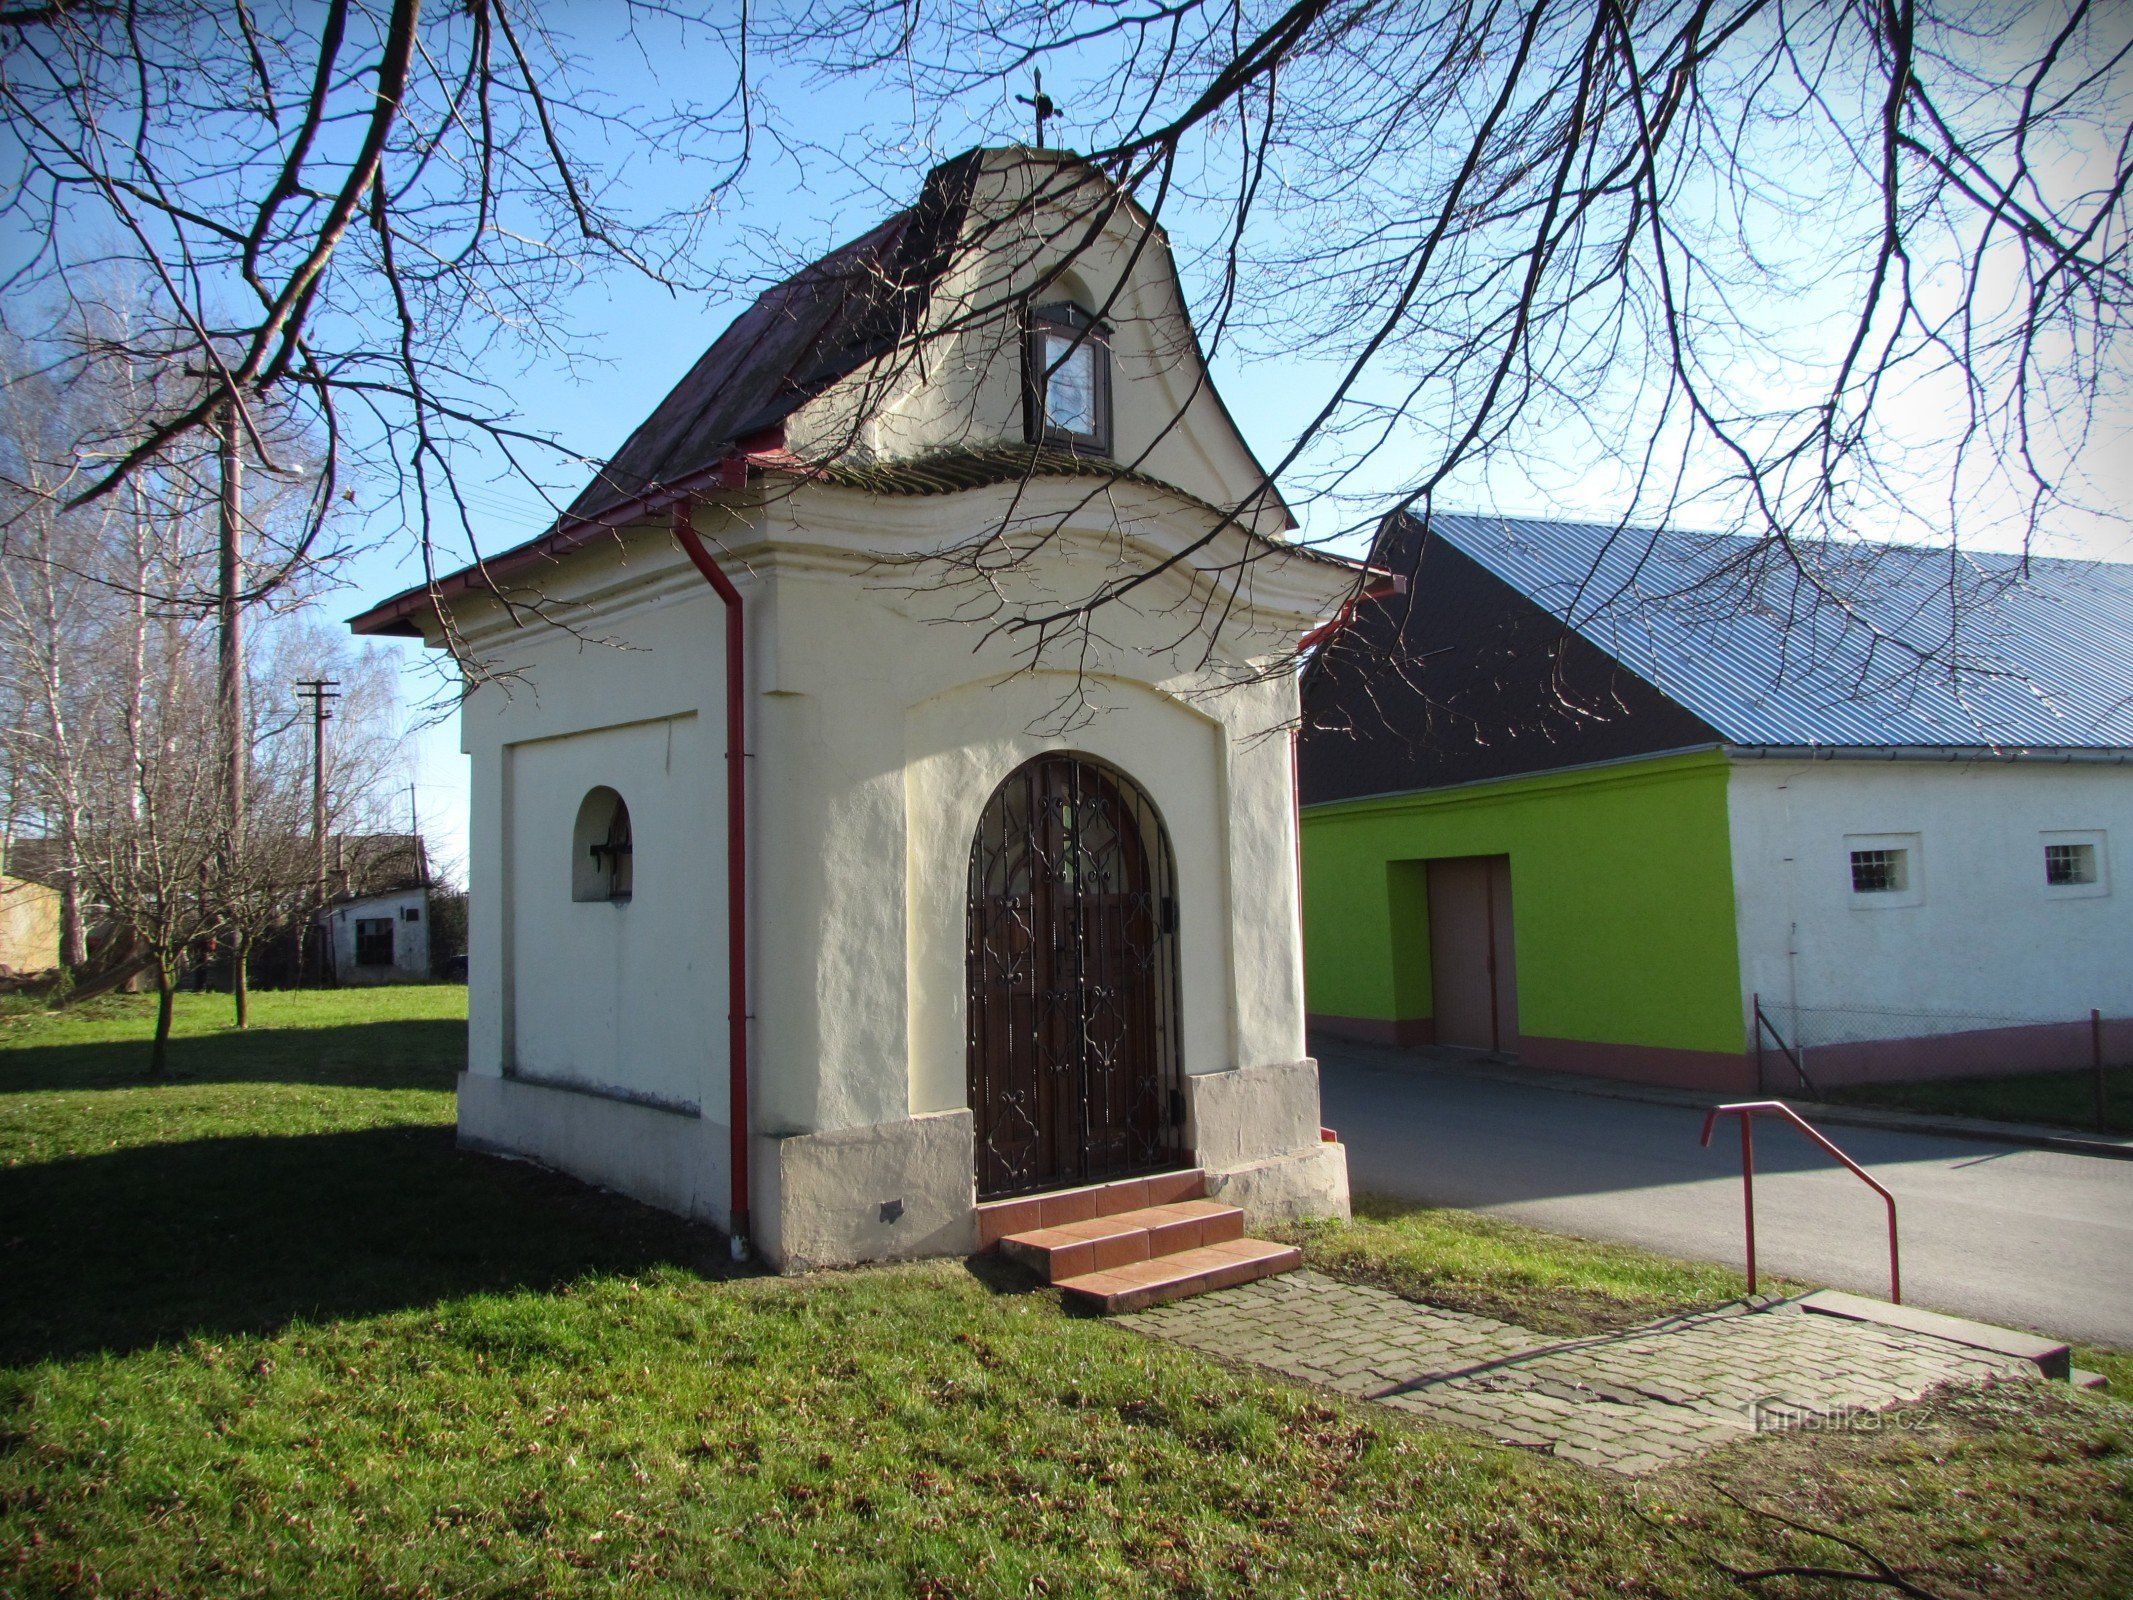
(230, 660)
(320, 692)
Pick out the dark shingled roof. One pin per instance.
(951, 471)
(800, 337)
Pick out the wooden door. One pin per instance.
(1072, 980)
(1473, 968)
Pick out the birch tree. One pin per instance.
(147, 859)
(108, 620)
(50, 563)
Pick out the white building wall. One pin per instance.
(882, 735)
(1979, 936)
(1166, 421)
(962, 746)
(596, 1031)
(608, 993)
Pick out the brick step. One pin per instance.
(1075, 1249)
(1140, 1284)
(1026, 1213)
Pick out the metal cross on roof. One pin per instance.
(1039, 102)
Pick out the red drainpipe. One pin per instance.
(736, 872)
(1296, 821)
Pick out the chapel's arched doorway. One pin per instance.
(1073, 980)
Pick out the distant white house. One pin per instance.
(377, 923)
(380, 938)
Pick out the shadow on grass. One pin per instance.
(424, 1054)
(1010, 1280)
(998, 1275)
(233, 1236)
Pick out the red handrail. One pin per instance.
(1746, 1110)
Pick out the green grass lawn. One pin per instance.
(265, 1331)
(2055, 1099)
(1543, 1281)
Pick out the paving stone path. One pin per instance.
(1630, 1402)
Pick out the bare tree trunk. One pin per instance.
(166, 995)
(66, 778)
(240, 980)
(73, 931)
(137, 652)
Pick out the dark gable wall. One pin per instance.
(1464, 678)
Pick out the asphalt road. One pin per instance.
(2024, 1238)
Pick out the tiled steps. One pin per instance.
(1123, 1246)
(1141, 1284)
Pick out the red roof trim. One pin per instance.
(395, 616)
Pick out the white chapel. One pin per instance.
(835, 881)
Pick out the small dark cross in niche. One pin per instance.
(1039, 102)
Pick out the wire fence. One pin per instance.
(1810, 1048)
(1817, 1027)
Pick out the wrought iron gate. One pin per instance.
(1073, 980)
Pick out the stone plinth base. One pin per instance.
(1255, 1132)
(882, 1193)
(667, 1157)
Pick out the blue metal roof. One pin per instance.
(1873, 645)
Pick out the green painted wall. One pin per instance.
(1621, 900)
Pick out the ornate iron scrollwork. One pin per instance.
(1073, 980)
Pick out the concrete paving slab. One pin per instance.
(1629, 1402)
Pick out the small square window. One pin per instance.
(2076, 864)
(411, 914)
(2068, 864)
(1881, 871)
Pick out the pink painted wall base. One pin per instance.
(1983, 1052)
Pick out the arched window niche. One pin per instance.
(600, 858)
